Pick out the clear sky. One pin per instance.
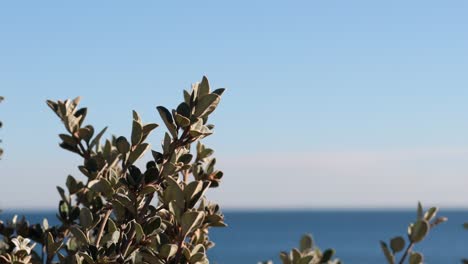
(329, 103)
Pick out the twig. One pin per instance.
(408, 249)
(179, 250)
(103, 224)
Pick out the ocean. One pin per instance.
(254, 236)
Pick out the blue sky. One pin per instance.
(329, 103)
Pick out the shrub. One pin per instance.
(121, 212)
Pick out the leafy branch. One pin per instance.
(417, 231)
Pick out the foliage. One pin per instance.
(307, 253)
(122, 212)
(417, 231)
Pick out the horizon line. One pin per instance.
(277, 209)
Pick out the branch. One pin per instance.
(103, 224)
(408, 249)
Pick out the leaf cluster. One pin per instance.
(307, 253)
(417, 232)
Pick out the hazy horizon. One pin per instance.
(329, 104)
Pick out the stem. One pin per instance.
(179, 250)
(129, 243)
(103, 224)
(145, 206)
(408, 249)
(178, 143)
(186, 176)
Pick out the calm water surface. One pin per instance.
(355, 235)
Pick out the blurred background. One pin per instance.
(339, 115)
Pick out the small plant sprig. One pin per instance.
(417, 231)
(307, 253)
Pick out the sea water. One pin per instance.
(254, 236)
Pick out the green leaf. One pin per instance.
(184, 110)
(139, 234)
(198, 129)
(124, 200)
(203, 88)
(185, 158)
(296, 255)
(305, 260)
(111, 226)
(122, 145)
(80, 114)
(86, 218)
(137, 153)
(110, 238)
(306, 243)
(79, 235)
(68, 139)
(45, 223)
(285, 258)
(431, 213)
(64, 210)
(327, 255)
(174, 193)
(397, 244)
(419, 211)
(438, 221)
(206, 105)
(137, 133)
(194, 191)
(74, 103)
(181, 120)
(168, 250)
(419, 230)
(86, 133)
(147, 130)
(199, 248)
(151, 174)
(72, 185)
(53, 105)
(52, 246)
(168, 120)
(152, 225)
(186, 97)
(148, 189)
(388, 255)
(166, 142)
(219, 91)
(61, 191)
(136, 116)
(97, 138)
(197, 258)
(191, 221)
(416, 258)
(157, 156)
(102, 185)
